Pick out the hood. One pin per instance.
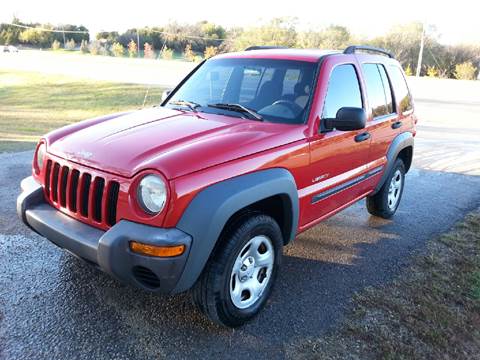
(173, 142)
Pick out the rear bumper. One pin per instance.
(109, 250)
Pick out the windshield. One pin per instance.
(258, 89)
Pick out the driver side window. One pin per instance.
(343, 90)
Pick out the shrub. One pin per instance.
(432, 71)
(132, 48)
(210, 51)
(148, 51)
(197, 58)
(465, 71)
(117, 49)
(96, 48)
(103, 51)
(188, 54)
(70, 45)
(166, 53)
(84, 47)
(56, 45)
(408, 70)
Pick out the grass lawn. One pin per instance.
(432, 311)
(32, 104)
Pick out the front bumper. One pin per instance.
(109, 250)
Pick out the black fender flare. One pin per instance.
(209, 211)
(399, 143)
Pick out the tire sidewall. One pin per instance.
(397, 166)
(225, 306)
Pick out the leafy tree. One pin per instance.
(279, 31)
(332, 37)
(84, 47)
(56, 45)
(432, 71)
(149, 51)
(96, 48)
(10, 34)
(70, 45)
(132, 49)
(117, 49)
(77, 37)
(109, 36)
(465, 71)
(450, 56)
(36, 37)
(210, 51)
(166, 53)
(408, 70)
(188, 54)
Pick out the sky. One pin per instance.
(455, 23)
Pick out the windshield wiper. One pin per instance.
(237, 108)
(190, 104)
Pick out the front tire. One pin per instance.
(385, 202)
(238, 279)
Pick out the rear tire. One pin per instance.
(238, 279)
(385, 202)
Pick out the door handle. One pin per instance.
(396, 125)
(362, 137)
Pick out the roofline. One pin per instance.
(352, 49)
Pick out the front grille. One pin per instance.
(82, 194)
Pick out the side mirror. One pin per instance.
(165, 94)
(347, 119)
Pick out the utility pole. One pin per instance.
(138, 44)
(420, 54)
(64, 42)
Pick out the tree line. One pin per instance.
(204, 39)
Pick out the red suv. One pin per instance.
(205, 190)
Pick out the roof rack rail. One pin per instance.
(256, 47)
(353, 48)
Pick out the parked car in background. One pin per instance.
(204, 191)
(8, 48)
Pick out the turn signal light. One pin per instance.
(158, 251)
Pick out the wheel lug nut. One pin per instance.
(243, 268)
(244, 278)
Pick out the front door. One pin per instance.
(338, 158)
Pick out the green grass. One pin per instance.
(431, 311)
(32, 104)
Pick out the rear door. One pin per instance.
(402, 99)
(383, 119)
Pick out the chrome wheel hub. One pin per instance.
(251, 271)
(394, 190)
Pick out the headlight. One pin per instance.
(152, 194)
(42, 149)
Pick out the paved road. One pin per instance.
(55, 306)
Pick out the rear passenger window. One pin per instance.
(378, 89)
(387, 88)
(402, 95)
(343, 90)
